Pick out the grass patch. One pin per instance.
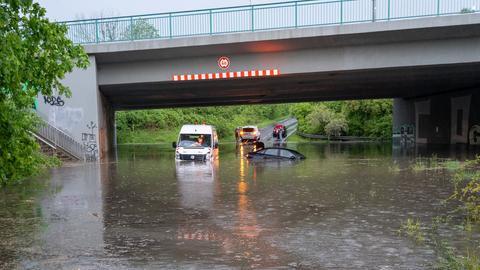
(412, 228)
(147, 136)
(419, 165)
(394, 168)
(159, 136)
(297, 139)
(449, 260)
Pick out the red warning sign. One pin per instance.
(223, 62)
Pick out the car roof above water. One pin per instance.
(197, 129)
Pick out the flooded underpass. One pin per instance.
(341, 208)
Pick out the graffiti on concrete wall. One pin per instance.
(66, 118)
(89, 140)
(53, 101)
(405, 134)
(474, 135)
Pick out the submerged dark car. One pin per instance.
(276, 153)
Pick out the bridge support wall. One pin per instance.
(86, 116)
(448, 118)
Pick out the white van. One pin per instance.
(196, 142)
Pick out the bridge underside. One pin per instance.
(405, 82)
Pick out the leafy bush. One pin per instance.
(301, 111)
(371, 118)
(35, 55)
(467, 10)
(467, 188)
(336, 127)
(319, 119)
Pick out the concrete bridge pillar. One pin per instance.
(86, 116)
(448, 118)
(403, 121)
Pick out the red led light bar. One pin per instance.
(227, 75)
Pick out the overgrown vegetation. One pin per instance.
(34, 56)
(466, 198)
(372, 118)
(412, 229)
(155, 126)
(467, 10)
(369, 118)
(432, 163)
(467, 188)
(449, 260)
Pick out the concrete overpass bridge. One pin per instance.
(430, 65)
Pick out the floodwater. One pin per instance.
(341, 208)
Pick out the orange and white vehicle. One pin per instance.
(249, 134)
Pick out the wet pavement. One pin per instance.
(341, 208)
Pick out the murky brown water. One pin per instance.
(339, 209)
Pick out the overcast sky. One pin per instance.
(64, 10)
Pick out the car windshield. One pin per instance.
(248, 129)
(195, 140)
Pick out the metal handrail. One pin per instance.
(259, 17)
(61, 140)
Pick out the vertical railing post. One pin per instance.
(438, 7)
(374, 10)
(253, 19)
(170, 25)
(341, 11)
(388, 10)
(211, 22)
(96, 31)
(296, 14)
(131, 28)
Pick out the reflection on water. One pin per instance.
(338, 209)
(196, 183)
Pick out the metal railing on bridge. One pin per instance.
(293, 14)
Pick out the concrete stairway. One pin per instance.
(55, 142)
(51, 150)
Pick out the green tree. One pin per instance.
(319, 118)
(301, 111)
(336, 127)
(372, 118)
(140, 29)
(34, 56)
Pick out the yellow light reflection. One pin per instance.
(246, 225)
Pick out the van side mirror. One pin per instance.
(174, 144)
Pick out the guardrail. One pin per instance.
(61, 140)
(337, 138)
(293, 14)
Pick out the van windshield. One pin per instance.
(195, 140)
